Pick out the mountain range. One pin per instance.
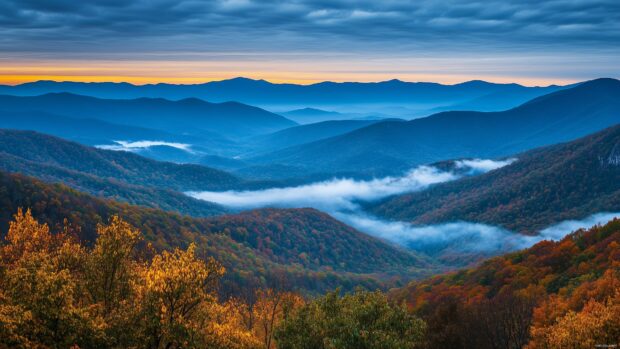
(390, 147)
(542, 187)
(418, 96)
(190, 116)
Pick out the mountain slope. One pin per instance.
(120, 176)
(544, 186)
(187, 116)
(154, 197)
(497, 304)
(86, 131)
(308, 248)
(121, 166)
(308, 133)
(312, 115)
(396, 146)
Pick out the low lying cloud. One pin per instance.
(465, 236)
(340, 198)
(141, 145)
(333, 195)
(558, 231)
(483, 165)
(471, 237)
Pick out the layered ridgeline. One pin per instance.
(553, 295)
(544, 186)
(479, 95)
(189, 116)
(394, 146)
(156, 144)
(307, 133)
(305, 248)
(117, 175)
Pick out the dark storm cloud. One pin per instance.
(237, 25)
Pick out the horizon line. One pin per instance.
(279, 82)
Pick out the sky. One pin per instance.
(306, 41)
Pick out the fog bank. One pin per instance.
(340, 197)
(141, 145)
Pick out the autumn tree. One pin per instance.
(41, 303)
(110, 263)
(179, 305)
(266, 310)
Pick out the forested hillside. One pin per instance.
(56, 292)
(544, 186)
(121, 166)
(309, 249)
(563, 294)
(120, 176)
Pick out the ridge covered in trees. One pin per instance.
(308, 248)
(58, 293)
(543, 187)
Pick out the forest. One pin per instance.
(257, 247)
(119, 292)
(58, 293)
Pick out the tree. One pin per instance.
(268, 311)
(174, 291)
(110, 264)
(359, 320)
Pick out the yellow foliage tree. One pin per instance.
(177, 294)
(41, 292)
(110, 263)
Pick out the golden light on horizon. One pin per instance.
(276, 71)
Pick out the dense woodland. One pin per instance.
(563, 294)
(119, 293)
(309, 249)
(58, 293)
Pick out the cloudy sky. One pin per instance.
(189, 41)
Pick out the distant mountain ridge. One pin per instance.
(262, 93)
(188, 116)
(391, 147)
(544, 186)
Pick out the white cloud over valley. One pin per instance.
(142, 145)
(340, 198)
